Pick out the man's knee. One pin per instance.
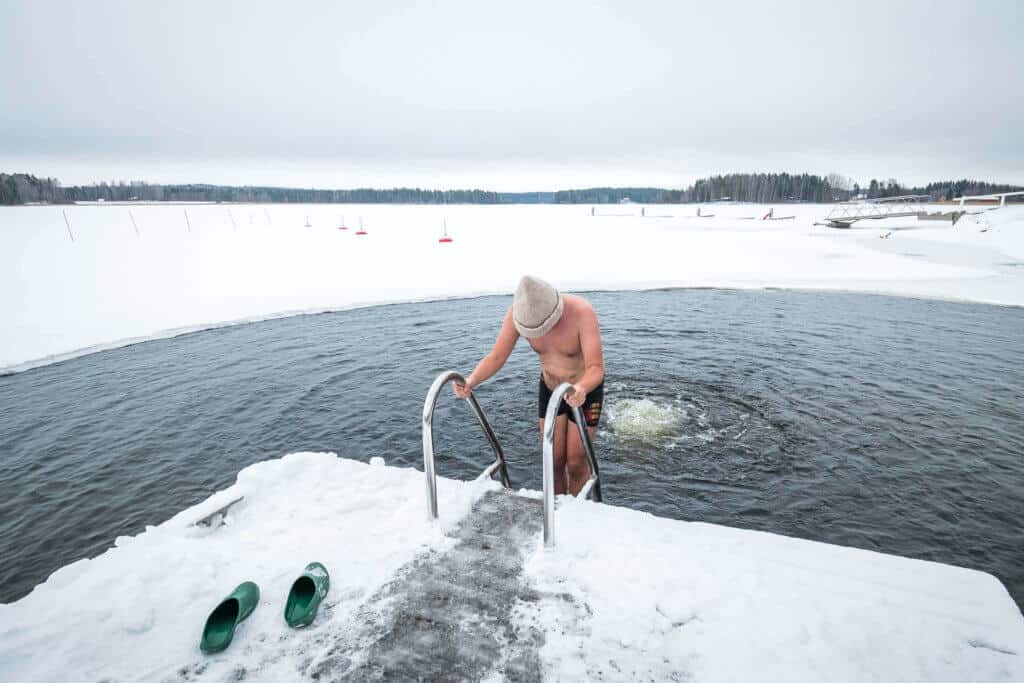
(578, 467)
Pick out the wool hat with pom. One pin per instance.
(537, 307)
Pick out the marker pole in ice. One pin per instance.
(188, 223)
(68, 223)
(232, 217)
(360, 231)
(134, 224)
(446, 239)
(266, 213)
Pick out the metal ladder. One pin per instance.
(428, 439)
(592, 489)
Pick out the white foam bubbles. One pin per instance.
(645, 420)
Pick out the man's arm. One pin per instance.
(492, 362)
(593, 357)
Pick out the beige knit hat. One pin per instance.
(537, 307)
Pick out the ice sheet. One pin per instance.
(60, 298)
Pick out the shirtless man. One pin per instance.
(563, 331)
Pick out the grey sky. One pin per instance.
(512, 96)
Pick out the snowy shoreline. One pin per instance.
(128, 278)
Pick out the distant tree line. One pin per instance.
(764, 188)
(774, 188)
(20, 188)
(611, 195)
(951, 189)
(761, 188)
(527, 197)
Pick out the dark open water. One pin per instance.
(883, 423)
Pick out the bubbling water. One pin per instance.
(645, 420)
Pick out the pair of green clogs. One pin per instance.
(304, 600)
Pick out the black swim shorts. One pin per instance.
(591, 407)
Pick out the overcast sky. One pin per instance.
(509, 95)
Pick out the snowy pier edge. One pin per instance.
(624, 595)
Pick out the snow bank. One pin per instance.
(625, 596)
(136, 612)
(110, 286)
(658, 599)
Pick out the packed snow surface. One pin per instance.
(623, 596)
(657, 599)
(101, 280)
(137, 611)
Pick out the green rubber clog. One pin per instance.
(306, 595)
(233, 610)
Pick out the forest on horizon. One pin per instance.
(763, 188)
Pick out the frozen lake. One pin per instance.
(882, 423)
(117, 273)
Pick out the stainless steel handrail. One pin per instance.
(593, 486)
(428, 439)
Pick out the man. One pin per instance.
(563, 331)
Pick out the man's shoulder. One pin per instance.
(579, 305)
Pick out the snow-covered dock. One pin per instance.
(624, 595)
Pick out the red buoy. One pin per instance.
(445, 239)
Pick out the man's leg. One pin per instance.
(561, 485)
(576, 457)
